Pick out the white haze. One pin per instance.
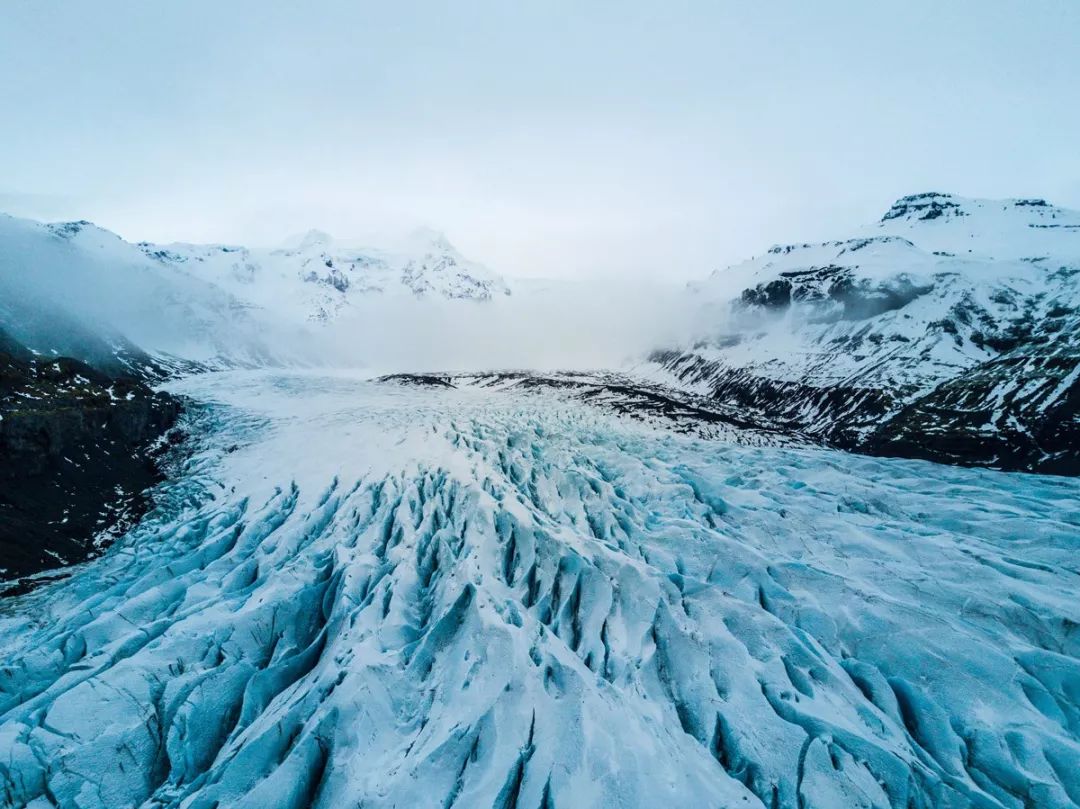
(110, 287)
(541, 326)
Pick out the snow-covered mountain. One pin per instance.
(318, 278)
(75, 289)
(950, 329)
(78, 290)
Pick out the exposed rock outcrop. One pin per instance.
(948, 331)
(76, 456)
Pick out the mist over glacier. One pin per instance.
(543, 325)
(231, 305)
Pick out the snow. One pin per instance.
(372, 594)
(992, 230)
(319, 278)
(222, 305)
(60, 283)
(902, 305)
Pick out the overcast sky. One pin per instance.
(545, 138)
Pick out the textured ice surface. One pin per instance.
(363, 595)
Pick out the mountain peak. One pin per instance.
(931, 205)
(925, 206)
(316, 238)
(428, 239)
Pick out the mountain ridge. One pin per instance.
(964, 308)
(216, 305)
(321, 276)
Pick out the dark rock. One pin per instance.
(931, 205)
(773, 295)
(1019, 412)
(835, 415)
(76, 456)
(419, 380)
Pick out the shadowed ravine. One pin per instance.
(365, 595)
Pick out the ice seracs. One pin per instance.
(413, 595)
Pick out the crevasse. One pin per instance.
(363, 595)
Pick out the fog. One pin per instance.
(544, 326)
(78, 294)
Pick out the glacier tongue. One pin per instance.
(365, 595)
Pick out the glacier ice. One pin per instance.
(364, 595)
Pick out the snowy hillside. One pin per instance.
(950, 330)
(318, 278)
(417, 596)
(75, 289)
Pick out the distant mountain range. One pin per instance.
(948, 330)
(319, 278)
(75, 289)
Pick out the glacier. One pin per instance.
(364, 594)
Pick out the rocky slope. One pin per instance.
(949, 330)
(76, 457)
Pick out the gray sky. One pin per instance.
(545, 138)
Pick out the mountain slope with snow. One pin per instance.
(948, 330)
(75, 289)
(318, 278)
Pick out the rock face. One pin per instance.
(949, 330)
(75, 456)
